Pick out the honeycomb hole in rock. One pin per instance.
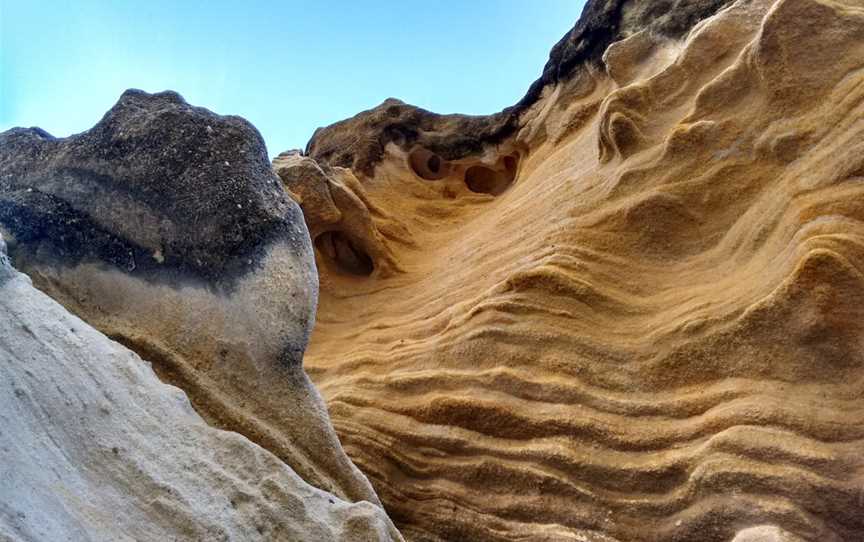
(511, 162)
(485, 180)
(428, 165)
(344, 253)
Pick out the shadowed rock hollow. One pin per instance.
(630, 307)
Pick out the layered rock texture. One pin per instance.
(94, 447)
(629, 308)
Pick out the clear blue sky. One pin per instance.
(287, 66)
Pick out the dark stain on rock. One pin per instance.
(158, 189)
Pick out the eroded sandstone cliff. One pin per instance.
(628, 308)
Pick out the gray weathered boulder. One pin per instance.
(164, 227)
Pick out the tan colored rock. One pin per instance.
(654, 331)
(336, 203)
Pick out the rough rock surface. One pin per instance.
(636, 313)
(164, 227)
(94, 447)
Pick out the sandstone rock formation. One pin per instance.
(164, 227)
(94, 447)
(630, 307)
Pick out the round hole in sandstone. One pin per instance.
(428, 165)
(434, 163)
(345, 253)
(484, 180)
(510, 162)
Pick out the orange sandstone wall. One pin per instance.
(637, 314)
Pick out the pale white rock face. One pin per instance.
(94, 447)
(765, 533)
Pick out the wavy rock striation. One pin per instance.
(631, 307)
(94, 447)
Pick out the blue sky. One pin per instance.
(287, 66)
